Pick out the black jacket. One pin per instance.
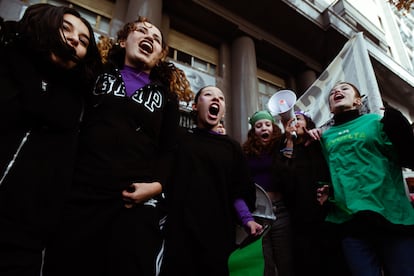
(126, 139)
(210, 172)
(298, 179)
(401, 135)
(40, 112)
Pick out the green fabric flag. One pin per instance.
(248, 260)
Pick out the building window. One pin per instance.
(266, 90)
(269, 84)
(97, 13)
(100, 23)
(192, 61)
(193, 53)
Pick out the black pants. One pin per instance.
(104, 238)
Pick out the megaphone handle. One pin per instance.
(293, 133)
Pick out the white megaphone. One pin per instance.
(282, 103)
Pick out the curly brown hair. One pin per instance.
(174, 78)
(254, 147)
(104, 44)
(165, 72)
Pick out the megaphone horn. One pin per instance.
(282, 103)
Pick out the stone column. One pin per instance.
(223, 81)
(244, 86)
(152, 9)
(304, 80)
(118, 17)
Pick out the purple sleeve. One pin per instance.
(242, 211)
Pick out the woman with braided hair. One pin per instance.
(114, 213)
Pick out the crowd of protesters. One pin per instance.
(98, 178)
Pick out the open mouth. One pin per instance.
(214, 109)
(265, 135)
(146, 46)
(338, 97)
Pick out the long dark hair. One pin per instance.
(40, 30)
(309, 125)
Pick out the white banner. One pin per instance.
(353, 65)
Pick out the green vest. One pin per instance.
(365, 172)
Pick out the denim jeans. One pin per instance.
(369, 256)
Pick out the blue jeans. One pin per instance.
(369, 256)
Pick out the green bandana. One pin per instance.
(260, 115)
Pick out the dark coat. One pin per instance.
(122, 140)
(210, 173)
(40, 112)
(126, 139)
(298, 179)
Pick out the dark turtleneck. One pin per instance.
(346, 116)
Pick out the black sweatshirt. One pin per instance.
(126, 139)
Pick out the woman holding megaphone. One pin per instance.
(299, 170)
